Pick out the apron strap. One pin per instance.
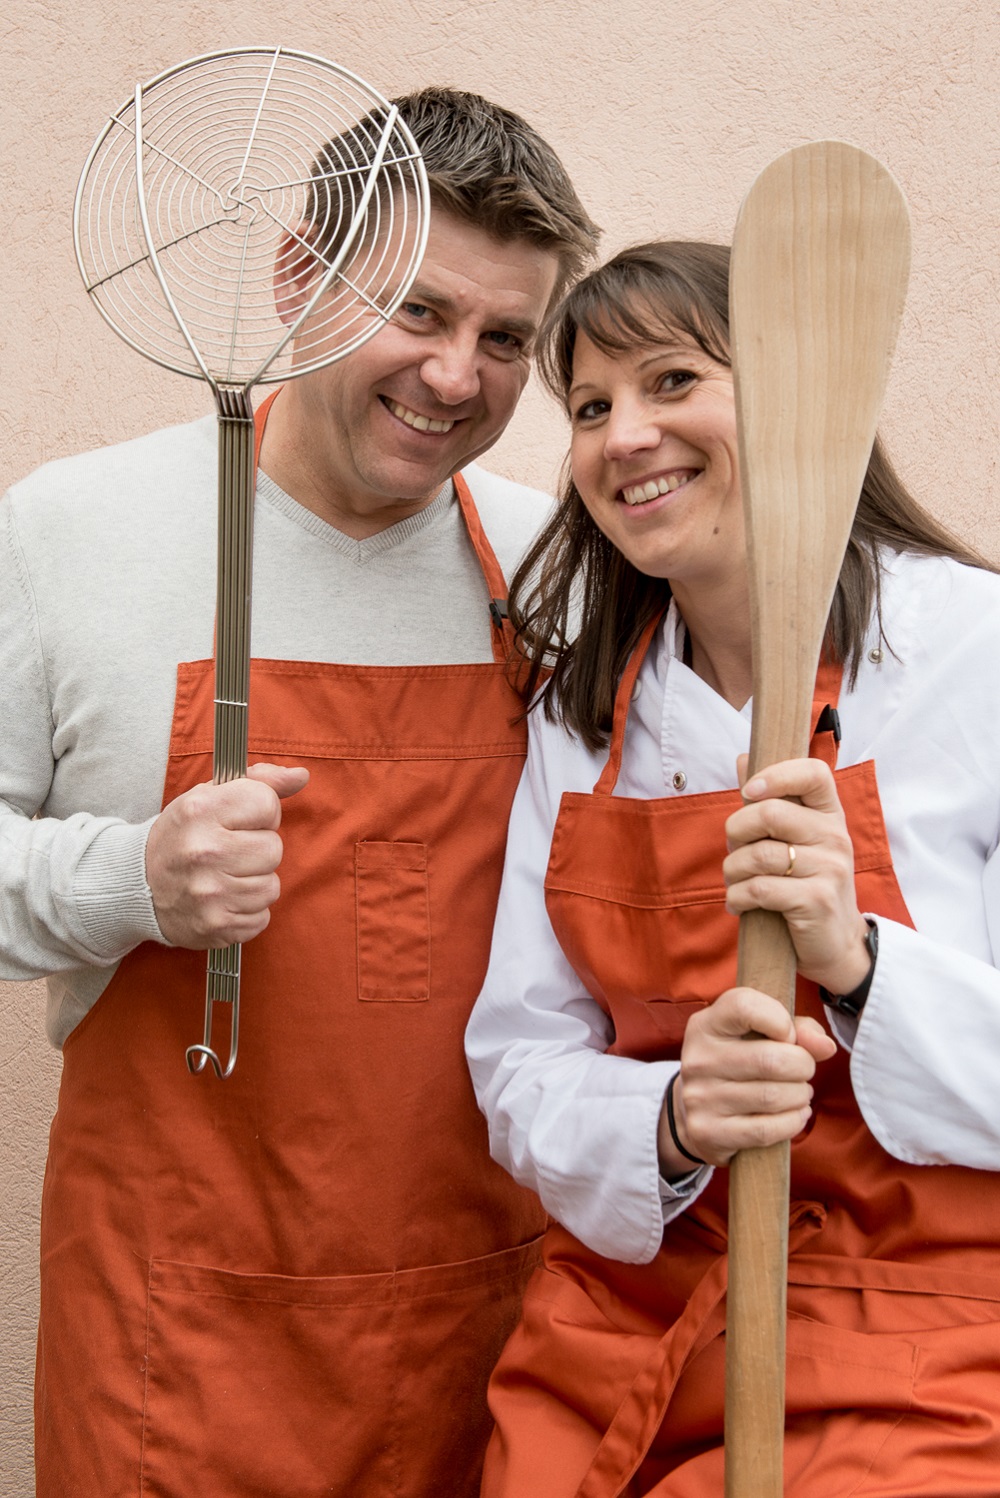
(260, 422)
(824, 724)
(639, 1416)
(502, 630)
(623, 698)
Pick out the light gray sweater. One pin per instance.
(107, 581)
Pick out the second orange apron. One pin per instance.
(613, 1384)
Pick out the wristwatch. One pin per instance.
(852, 1003)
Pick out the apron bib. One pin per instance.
(295, 1282)
(613, 1384)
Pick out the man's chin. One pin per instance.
(409, 476)
(410, 481)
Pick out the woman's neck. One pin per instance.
(718, 631)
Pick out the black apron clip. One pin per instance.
(829, 722)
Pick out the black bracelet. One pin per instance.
(852, 1003)
(672, 1124)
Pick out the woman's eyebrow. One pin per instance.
(666, 351)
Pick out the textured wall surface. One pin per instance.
(663, 114)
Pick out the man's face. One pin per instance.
(376, 435)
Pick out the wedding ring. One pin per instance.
(791, 861)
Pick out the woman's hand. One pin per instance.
(735, 1092)
(814, 888)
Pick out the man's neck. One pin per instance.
(291, 460)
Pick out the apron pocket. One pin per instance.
(846, 1394)
(394, 933)
(453, 1320)
(267, 1386)
(274, 1386)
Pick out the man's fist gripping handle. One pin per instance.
(212, 856)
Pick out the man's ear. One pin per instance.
(295, 270)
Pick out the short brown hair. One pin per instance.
(644, 296)
(488, 166)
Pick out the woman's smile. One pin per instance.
(645, 490)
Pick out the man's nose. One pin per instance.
(451, 371)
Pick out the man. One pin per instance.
(295, 1281)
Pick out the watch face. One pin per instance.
(849, 1004)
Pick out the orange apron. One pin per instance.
(295, 1282)
(613, 1383)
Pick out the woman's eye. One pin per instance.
(590, 411)
(675, 379)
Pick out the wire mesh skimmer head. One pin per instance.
(248, 216)
(251, 215)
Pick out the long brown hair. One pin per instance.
(573, 578)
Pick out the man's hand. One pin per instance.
(212, 854)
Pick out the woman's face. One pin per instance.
(654, 457)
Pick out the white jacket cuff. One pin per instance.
(923, 1063)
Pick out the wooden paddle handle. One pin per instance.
(758, 1257)
(759, 1178)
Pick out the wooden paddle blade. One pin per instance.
(817, 284)
(821, 255)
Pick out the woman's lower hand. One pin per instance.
(735, 1092)
(812, 886)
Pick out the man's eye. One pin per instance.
(507, 342)
(416, 310)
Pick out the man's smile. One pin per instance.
(414, 418)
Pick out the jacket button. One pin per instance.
(679, 780)
(875, 656)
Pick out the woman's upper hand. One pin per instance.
(734, 1092)
(814, 888)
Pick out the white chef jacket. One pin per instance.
(580, 1126)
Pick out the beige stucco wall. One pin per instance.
(663, 113)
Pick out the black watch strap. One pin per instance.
(852, 1003)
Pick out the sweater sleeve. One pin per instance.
(72, 891)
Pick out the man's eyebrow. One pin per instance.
(424, 294)
(526, 327)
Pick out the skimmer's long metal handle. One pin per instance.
(237, 482)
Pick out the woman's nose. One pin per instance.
(631, 428)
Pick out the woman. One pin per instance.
(608, 1046)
